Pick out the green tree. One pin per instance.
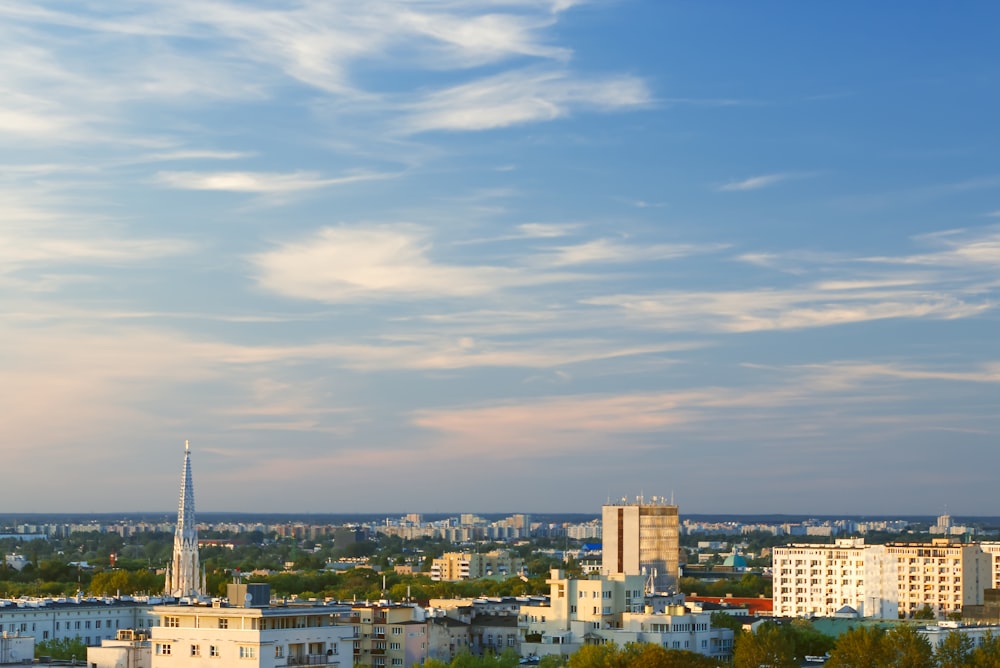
(987, 654)
(955, 651)
(905, 648)
(62, 649)
(926, 612)
(767, 647)
(859, 647)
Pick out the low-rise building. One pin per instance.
(614, 609)
(249, 632)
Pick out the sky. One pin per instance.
(500, 255)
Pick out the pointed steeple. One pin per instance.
(183, 575)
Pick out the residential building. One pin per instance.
(943, 574)
(613, 609)
(389, 634)
(819, 580)
(992, 548)
(882, 581)
(248, 632)
(89, 619)
(642, 538)
(455, 566)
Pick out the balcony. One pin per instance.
(312, 659)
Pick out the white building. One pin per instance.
(819, 580)
(89, 619)
(882, 581)
(127, 650)
(613, 609)
(251, 634)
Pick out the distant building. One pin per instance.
(642, 538)
(456, 566)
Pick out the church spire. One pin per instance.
(183, 575)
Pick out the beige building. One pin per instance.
(455, 566)
(252, 634)
(389, 635)
(613, 609)
(942, 574)
(642, 538)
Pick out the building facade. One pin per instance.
(389, 634)
(882, 581)
(253, 634)
(89, 619)
(455, 566)
(641, 538)
(614, 609)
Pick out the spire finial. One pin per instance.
(187, 445)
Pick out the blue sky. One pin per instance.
(490, 256)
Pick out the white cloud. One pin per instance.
(517, 97)
(356, 263)
(756, 182)
(259, 182)
(763, 310)
(609, 251)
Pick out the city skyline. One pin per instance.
(529, 256)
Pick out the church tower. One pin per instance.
(184, 577)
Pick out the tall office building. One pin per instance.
(642, 538)
(184, 576)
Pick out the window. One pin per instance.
(76, 625)
(279, 651)
(163, 649)
(213, 650)
(45, 635)
(247, 652)
(394, 645)
(397, 630)
(195, 650)
(88, 623)
(223, 623)
(97, 624)
(172, 622)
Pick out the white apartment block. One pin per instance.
(882, 581)
(819, 580)
(89, 619)
(253, 635)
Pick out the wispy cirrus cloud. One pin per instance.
(260, 182)
(762, 181)
(517, 97)
(380, 262)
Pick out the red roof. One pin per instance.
(756, 606)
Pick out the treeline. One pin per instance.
(901, 646)
(632, 655)
(748, 586)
